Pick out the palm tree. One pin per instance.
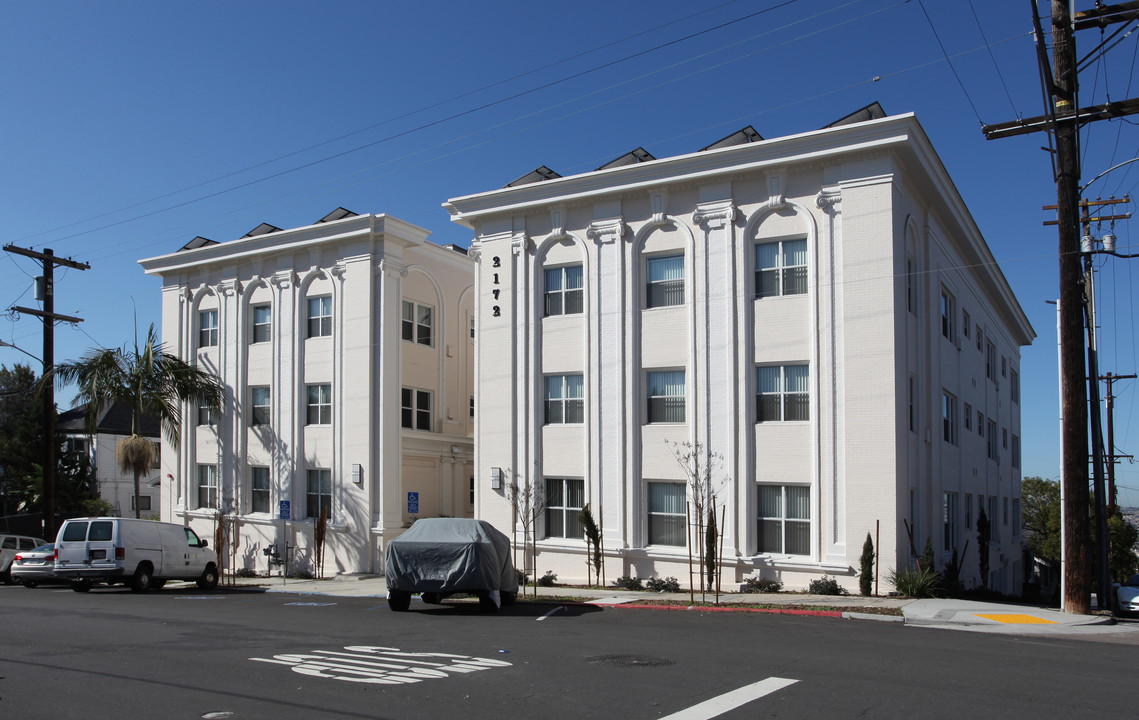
(152, 382)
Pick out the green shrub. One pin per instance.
(951, 577)
(866, 567)
(523, 578)
(245, 573)
(628, 583)
(668, 584)
(915, 583)
(826, 586)
(548, 579)
(927, 556)
(304, 574)
(762, 585)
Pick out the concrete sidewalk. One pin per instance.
(1008, 618)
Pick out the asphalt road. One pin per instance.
(181, 653)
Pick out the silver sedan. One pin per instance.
(32, 567)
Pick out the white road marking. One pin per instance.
(730, 701)
(560, 607)
(381, 665)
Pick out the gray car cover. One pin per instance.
(447, 555)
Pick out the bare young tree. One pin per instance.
(527, 501)
(705, 478)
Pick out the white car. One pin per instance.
(1127, 596)
(9, 546)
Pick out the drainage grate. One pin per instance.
(629, 660)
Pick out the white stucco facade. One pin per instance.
(669, 256)
(345, 351)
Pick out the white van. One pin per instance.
(143, 554)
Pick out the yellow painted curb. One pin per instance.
(1014, 619)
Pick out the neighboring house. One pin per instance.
(112, 424)
(346, 352)
(819, 309)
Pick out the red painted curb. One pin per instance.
(771, 611)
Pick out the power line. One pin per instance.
(951, 67)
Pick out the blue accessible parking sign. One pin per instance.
(285, 510)
(412, 503)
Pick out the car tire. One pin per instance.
(209, 578)
(142, 579)
(30, 584)
(81, 586)
(6, 576)
(508, 598)
(486, 603)
(432, 598)
(399, 600)
(157, 584)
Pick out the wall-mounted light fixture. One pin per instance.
(358, 474)
(496, 478)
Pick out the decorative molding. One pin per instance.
(558, 221)
(521, 243)
(829, 200)
(474, 252)
(714, 215)
(658, 201)
(392, 269)
(338, 271)
(228, 288)
(313, 260)
(776, 199)
(606, 231)
(283, 280)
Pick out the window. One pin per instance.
(319, 405)
(472, 405)
(472, 485)
(259, 489)
(948, 315)
(564, 500)
(418, 322)
(208, 328)
(1016, 451)
(965, 323)
(949, 521)
(207, 415)
(318, 493)
(992, 441)
(472, 328)
(1016, 517)
(415, 407)
(980, 423)
(143, 503)
(781, 268)
(320, 316)
(1004, 510)
(910, 400)
(565, 399)
(910, 286)
(968, 511)
(666, 281)
(564, 290)
(990, 361)
(666, 514)
(1014, 386)
(967, 416)
(783, 393)
(262, 323)
(156, 458)
(666, 396)
(260, 397)
(785, 519)
(1004, 366)
(980, 338)
(994, 526)
(948, 418)
(1004, 438)
(208, 486)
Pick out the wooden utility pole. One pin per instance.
(1063, 119)
(1112, 458)
(47, 391)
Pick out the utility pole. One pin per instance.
(1112, 458)
(1063, 119)
(49, 317)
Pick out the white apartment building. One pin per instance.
(345, 348)
(820, 310)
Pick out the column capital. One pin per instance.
(714, 215)
(829, 200)
(605, 232)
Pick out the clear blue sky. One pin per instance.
(128, 128)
